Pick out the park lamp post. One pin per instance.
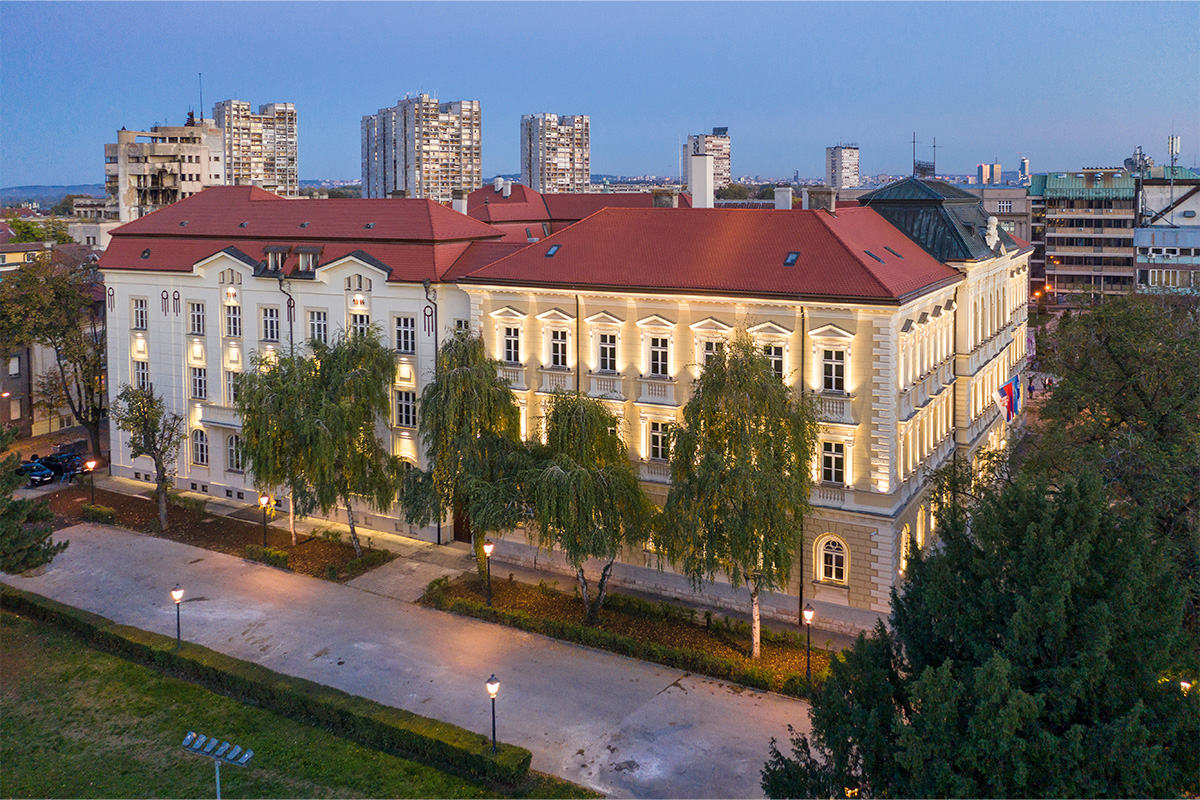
(264, 500)
(493, 686)
(488, 547)
(204, 746)
(809, 613)
(177, 596)
(90, 466)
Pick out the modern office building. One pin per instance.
(422, 148)
(987, 174)
(841, 166)
(146, 170)
(1023, 174)
(903, 319)
(556, 153)
(715, 144)
(260, 149)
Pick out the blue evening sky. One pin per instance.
(1067, 84)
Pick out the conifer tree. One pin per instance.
(24, 535)
(586, 499)
(740, 476)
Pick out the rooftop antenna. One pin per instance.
(914, 159)
(201, 74)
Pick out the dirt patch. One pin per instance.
(309, 556)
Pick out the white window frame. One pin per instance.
(658, 440)
(835, 358)
(196, 319)
(199, 447)
(199, 383)
(141, 375)
(318, 323)
(831, 337)
(606, 362)
(406, 408)
(512, 343)
(837, 549)
(558, 348)
(658, 345)
(778, 363)
(406, 335)
(359, 324)
(233, 452)
(830, 451)
(270, 323)
(231, 394)
(140, 318)
(233, 321)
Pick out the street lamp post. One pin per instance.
(177, 596)
(488, 547)
(493, 686)
(263, 500)
(808, 618)
(90, 466)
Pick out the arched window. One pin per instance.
(921, 517)
(833, 561)
(904, 547)
(235, 452)
(199, 448)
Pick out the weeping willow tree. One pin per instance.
(585, 496)
(471, 428)
(346, 393)
(273, 402)
(740, 476)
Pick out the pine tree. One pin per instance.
(24, 535)
(740, 476)
(586, 499)
(1036, 651)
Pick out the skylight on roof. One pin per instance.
(303, 224)
(554, 248)
(369, 225)
(893, 252)
(872, 255)
(146, 253)
(183, 224)
(243, 224)
(791, 259)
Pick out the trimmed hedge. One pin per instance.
(195, 504)
(793, 684)
(270, 556)
(93, 513)
(372, 724)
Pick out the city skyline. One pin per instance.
(1026, 88)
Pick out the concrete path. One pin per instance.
(619, 726)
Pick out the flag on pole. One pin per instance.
(1008, 398)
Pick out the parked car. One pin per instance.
(37, 472)
(63, 462)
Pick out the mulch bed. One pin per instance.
(549, 603)
(212, 532)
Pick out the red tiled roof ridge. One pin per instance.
(825, 217)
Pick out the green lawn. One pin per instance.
(75, 722)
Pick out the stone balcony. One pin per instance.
(657, 391)
(835, 408)
(220, 416)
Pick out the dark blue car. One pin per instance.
(37, 472)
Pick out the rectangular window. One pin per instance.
(558, 349)
(359, 323)
(140, 314)
(236, 463)
(199, 383)
(660, 445)
(318, 326)
(406, 409)
(406, 335)
(712, 349)
(14, 408)
(512, 345)
(270, 326)
(774, 353)
(231, 392)
(658, 357)
(608, 352)
(233, 321)
(834, 371)
(1004, 207)
(199, 449)
(14, 366)
(196, 317)
(462, 324)
(141, 376)
(833, 462)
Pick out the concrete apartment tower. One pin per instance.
(260, 148)
(716, 145)
(556, 153)
(423, 148)
(841, 166)
(146, 170)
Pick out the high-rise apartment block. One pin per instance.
(260, 148)
(716, 145)
(988, 173)
(146, 170)
(556, 153)
(423, 148)
(841, 166)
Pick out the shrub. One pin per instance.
(331, 572)
(270, 556)
(328, 534)
(372, 558)
(195, 504)
(364, 721)
(93, 513)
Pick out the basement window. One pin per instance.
(554, 248)
(893, 252)
(872, 255)
(791, 259)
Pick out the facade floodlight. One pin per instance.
(202, 745)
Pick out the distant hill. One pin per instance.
(47, 195)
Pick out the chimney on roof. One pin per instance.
(822, 197)
(498, 183)
(783, 198)
(458, 200)
(665, 197)
(701, 175)
(398, 194)
(507, 188)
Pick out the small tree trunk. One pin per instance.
(353, 533)
(292, 515)
(93, 429)
(162, 504)
(755, 622)
(584, 592)
(593, 612)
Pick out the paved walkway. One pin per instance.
(619, 726)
